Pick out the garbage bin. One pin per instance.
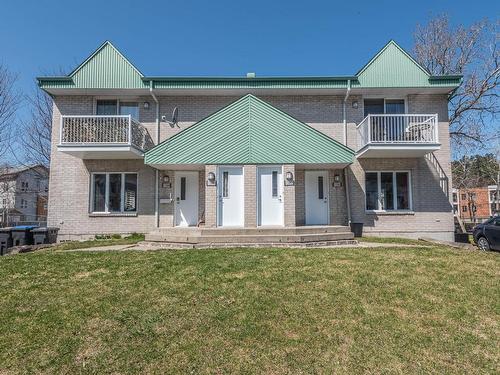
(357, 229)
(21, 235)
(44, 235)
(5, 240)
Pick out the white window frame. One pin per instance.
(394, 187)
(106, 194)
(24, 203)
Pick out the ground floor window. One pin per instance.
(388, 190)
(113, 192)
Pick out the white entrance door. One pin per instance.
(317, 197)
(186, 199)
(270, 193)
(231, 196)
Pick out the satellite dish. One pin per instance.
(175, 116)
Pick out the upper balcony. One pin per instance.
(397, 136)
(103, 137)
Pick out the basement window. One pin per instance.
(113, 193)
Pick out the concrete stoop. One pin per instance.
(306, 236)
(145, 245)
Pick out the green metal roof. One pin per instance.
(393, 67)
(107, 68)
(249, 131)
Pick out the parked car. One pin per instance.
(487, 234)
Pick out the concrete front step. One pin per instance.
(248, 238)
(152, 245)
(198, 231)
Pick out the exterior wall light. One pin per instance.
(336, 181)
(146, 105)
(355, 104)
(166, 182)
(211, 178)
(289, 176)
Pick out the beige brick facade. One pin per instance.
(70, 176)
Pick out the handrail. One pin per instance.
(398, 128)
(104, 130)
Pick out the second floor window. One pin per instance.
(384, 106)
(24, 203)
(24, 186)
(116, 107)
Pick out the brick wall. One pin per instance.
(69, 180)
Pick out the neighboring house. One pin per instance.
(248, 152)
(21, 190)
(475, 204)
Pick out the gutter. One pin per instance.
(157, 172)
(344, 110)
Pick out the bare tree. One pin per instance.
(472, 52)
(7, 197)
(9, 103)
(37, 130)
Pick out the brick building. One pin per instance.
(132, 153)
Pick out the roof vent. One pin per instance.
(250, 75)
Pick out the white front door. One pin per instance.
(317, 197)
(231, 196)
(186, 198)
(270, 193)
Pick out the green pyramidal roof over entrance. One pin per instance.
(249, 131)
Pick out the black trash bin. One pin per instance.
(44, 235)
(5, 240)
(357, 229)
(21, 235)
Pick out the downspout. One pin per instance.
(346, 169)
(347, 196)
(157, 172)
(344, 110)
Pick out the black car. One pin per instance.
(487, 234)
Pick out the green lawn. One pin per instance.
(394, 310)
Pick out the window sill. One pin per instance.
(113, 214)
(388, 213)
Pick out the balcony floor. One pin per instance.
(400, 150)
(102, 151)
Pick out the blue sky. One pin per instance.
(216, 37)
(211, 37)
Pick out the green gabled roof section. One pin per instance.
(249, 131)
(392, 66)
(107, 68)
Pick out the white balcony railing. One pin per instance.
(398, 129)
(104, 131)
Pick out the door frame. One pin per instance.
(257, 193)
(328, 220)
(219, 198)
(176, 173)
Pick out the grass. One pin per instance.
(359, 310)
(102, 241)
